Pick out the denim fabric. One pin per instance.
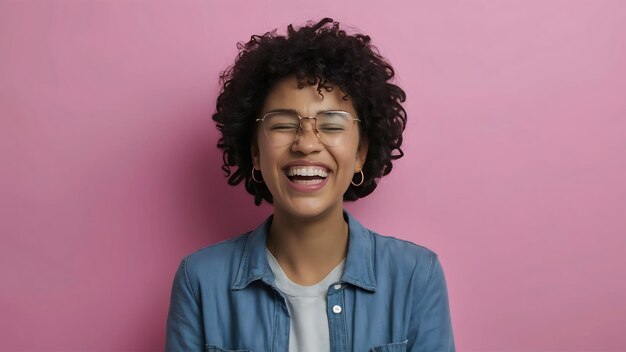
(392, 297)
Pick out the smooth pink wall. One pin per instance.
(514, 169)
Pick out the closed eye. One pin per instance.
(332, 128)
(284, 127)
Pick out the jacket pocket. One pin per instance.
(391, 347)
(213, 348)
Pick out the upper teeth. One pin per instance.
(307, 171)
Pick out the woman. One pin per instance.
(310, 120)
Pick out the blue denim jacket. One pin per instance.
(392, 297)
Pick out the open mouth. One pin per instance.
(306, 175)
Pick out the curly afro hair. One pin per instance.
(318, 53)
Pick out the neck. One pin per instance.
(308, 249)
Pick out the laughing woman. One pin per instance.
(310, 120)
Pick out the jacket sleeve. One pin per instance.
(184, 332)
(431, 327)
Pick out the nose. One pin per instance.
(306, 140)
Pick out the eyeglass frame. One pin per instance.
(300, 129)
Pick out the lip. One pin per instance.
(302, 187)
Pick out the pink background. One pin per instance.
(514, 169)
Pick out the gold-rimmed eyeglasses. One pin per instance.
(330, 126)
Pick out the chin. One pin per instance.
(307, 209)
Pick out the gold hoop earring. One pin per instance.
(360, 183)
(254, 178)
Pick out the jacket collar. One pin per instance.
(358, 269)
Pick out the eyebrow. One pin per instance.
(296, 112)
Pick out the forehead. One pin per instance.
(306, 100)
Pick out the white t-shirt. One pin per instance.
(308, 330)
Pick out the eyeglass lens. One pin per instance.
(331, 127)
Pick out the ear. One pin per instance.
(254, 151)
(361, 155)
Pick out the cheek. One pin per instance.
(262, 147)
(269, 158)
(347, 161)
(265, 158)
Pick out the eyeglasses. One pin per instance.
(331, 127)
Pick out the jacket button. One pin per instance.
(337, 286)
(336, 309)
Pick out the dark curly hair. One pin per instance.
(318, 53)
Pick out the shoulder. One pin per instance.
(216, 260)
(403, 255)
(391, 245)
(219, 251)
(390, 252)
